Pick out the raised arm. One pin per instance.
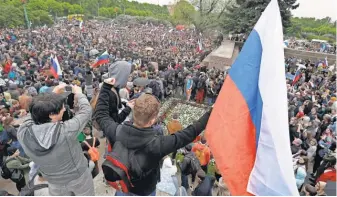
(170, 143)
(78, 122)
(101, 114)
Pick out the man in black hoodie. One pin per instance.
(140, 133)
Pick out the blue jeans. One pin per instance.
(210, 101)
(184, 181)
(118, 193)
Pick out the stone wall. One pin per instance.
(304, 54)
(309, 55)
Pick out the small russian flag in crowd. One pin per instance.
(325, 63)
(102, 59)
(55, 68)
(199, 47)
(248, 129)
(297, 76)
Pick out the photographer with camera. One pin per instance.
(50, 141)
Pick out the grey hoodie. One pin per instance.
(54, 146)
(119, 70)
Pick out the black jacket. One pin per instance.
(133, 138)
(115, 104)
(186, 164)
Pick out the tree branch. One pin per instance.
(213, 5)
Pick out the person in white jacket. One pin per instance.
(166, 184)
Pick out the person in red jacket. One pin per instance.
(203, 153)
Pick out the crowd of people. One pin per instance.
(49, 124)
(320, 46)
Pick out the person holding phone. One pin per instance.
(46, 138)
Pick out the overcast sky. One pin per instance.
(308, 8)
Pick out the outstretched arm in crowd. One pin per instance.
(181, 138)
(101, 114)
(78, 122)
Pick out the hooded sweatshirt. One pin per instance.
(166, 183)
(54, 146)
(119, 70)
(152, 148)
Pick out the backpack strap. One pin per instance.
(39, 186)
(86, 143)
(118, 129)
(94, 142)
(148, 143)
(8, 160)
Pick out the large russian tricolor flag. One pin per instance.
(55, 68)
(248, 129)
(102, 59)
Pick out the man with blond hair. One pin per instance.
(140, 136)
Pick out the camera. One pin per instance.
(68, 88)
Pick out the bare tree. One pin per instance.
(209, 12)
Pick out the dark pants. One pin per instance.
(118, 193)
(217, 176)
(193, 93)
(317, 163)
(174, 155)
(20, 184)
(204, 168)
(1, 158)
(184, 181)
(321, 169)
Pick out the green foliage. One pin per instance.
(242, 15)
(311, 28)
(107, 8)
(40, 17)
(184, 13)
(37, 5)
(132, 20)
(55, 7)
(11, 16)
(209, 13)
(40, 11)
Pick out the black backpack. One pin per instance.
(5, 172)
(195, 163)
(201, 83)
(120, 167)
(29, 189)
(180, 78)
(16, 175)
(156, 91)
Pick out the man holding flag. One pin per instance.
(256, 158)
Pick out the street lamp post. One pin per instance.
(26, 15)
(27, 19)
